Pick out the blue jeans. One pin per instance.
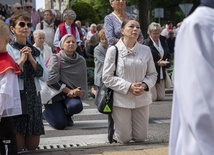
(56, 113)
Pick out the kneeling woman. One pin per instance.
(135, 76)
(66, 68)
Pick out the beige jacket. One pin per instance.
(135, 65)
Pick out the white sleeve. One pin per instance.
(56, 38)
(10, 102)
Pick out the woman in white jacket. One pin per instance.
(135, 75)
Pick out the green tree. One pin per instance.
(146, 8)
(85, 12)
(101, 7)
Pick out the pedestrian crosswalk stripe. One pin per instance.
(89, 124)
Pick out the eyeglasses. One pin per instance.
(23, 24)
(28, 7)
(19, 8)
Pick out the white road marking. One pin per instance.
(90, 124)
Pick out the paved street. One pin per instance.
(90, 131)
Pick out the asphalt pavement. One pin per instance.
(89, 136)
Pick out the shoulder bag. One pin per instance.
(104, 96)
(47, 93)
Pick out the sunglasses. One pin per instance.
(23, 24)
(19, 8)
(29, 7)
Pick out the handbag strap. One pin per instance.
(58, 58)
(116, 59)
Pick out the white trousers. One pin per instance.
(130, 124)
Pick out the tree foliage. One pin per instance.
(101, 7)
(146, 8)
(85, 12)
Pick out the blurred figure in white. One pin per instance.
(192, 123)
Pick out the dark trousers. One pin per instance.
(110, 128)
(8, 145)
(56, 113)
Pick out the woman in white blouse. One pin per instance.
(135, 75)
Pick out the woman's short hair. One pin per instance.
(93, 25)
(68, 13)
(37, 32)
(154, 26)
(49, 11)
(99, 27)
(101, 34)
(13, 20)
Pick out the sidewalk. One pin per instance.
(109, 149)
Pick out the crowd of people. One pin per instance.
(53, 48)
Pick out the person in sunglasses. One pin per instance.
(35, 18)
(17, 8)
(28, 126)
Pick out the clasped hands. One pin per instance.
(162, 62)
(75, 92)
(137, 88)
(26, 54)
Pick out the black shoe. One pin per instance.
(70, 121)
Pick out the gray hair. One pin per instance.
(154, 26)
(37, 32)
(111, 1)
(69, 14)
(93, 25)
(16, 4)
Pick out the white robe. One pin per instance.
(10, 102)
(192, 123)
